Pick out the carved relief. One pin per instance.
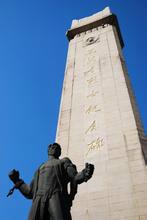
(90, 61)
(90, 65)
(91, 50)
(91, 40)
(91, 81)
(90, 70)
(92, 108)
(92, 94)
(91, 128)
(95, 145)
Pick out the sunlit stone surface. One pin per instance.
(99, 123)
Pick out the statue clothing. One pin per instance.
(48, 189)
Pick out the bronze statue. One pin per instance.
(48, 189)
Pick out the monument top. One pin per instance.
(97, 16)
(101, 18)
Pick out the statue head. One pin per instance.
(54, 150)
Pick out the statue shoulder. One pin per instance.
(66, 162)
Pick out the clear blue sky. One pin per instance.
(33, 51)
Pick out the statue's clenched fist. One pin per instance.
(14, 176)
(88, 171)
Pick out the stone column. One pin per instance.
(99, 123)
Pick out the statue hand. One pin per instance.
(89, 169)
(14, 176)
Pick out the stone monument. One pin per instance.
(99, 123)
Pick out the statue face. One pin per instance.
(54, 150)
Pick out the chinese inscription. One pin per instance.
(92, 108)
(92, 94)
(91, 128)
(91, 80)
(94, 145)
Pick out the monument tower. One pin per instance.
(99, 123)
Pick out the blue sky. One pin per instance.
(33, 49)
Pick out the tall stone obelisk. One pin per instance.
(99, 123)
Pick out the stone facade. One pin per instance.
(99, 123)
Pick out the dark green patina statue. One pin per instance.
(48, 189)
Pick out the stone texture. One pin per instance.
(99, 123)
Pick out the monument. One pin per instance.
(99, 123)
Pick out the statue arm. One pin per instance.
(25, 189)
(85, 174)
(78, 177)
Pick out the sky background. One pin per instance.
(33, 49)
